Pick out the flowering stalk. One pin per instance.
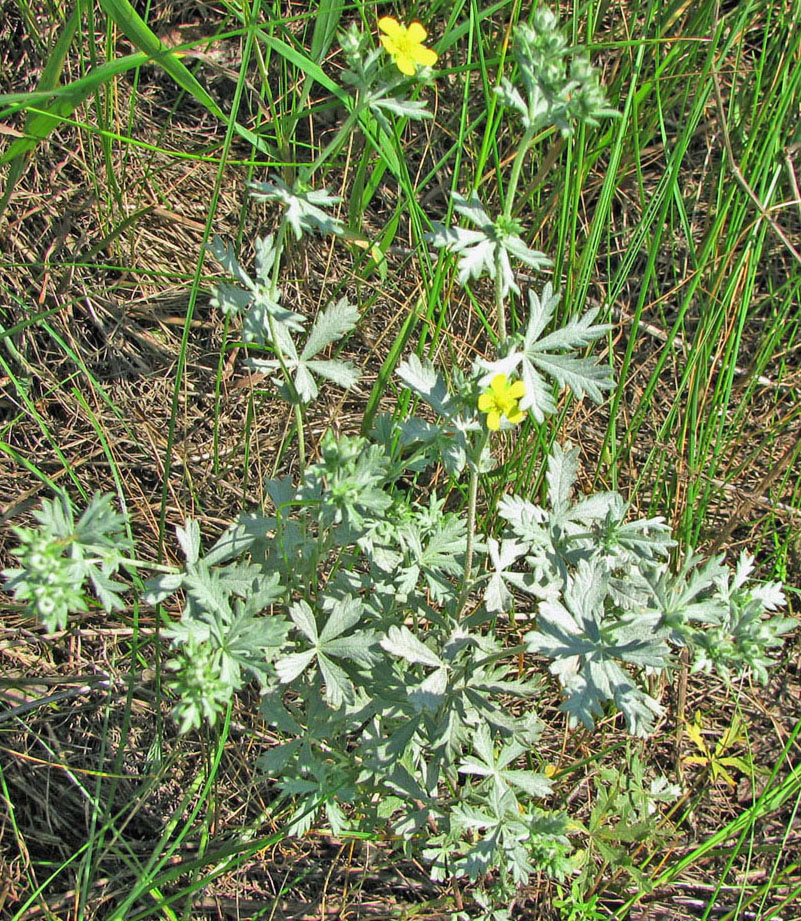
(472, 502)
(336, 143)
(297, 405)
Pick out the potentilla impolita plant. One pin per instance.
(367, 614)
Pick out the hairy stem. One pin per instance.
(517, 166)
(472, 501)
(298, 406)
(335, 145)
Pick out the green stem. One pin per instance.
(301, 436)
(472, 501)
(500, 307)
(298, 407)
(335, 145)
(517, 166)
(511, 189)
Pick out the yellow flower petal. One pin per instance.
(425, 57)
(405, 45)
(391, 26)
(501, 400)
(416, 33)
(405, 64)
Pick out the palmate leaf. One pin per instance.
(302, 209)
(587, 643)
(492, 764)
(332, 642)
(536, 359)
(332, 323)
(486, 250)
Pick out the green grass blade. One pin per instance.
(141, 35)
(41, 122)
(37, 126)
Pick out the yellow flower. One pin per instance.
(405, 46)
(502, 400)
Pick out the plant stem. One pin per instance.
(511, 189)
(472, 501)
(334, 145)
(500, 307)
(517, 166)
(296, 402)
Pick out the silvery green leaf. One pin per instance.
(687, 596)
(426, 382)
(486, 250)
(342, 373)
(405, 108)
(338, 687)
(429, 694)
(514, 246)
(647, 539)
(208, 591)
(479, 258)
(578, 332)
(770, 595)
(239, 537)
(344, 614)
(303, 618)
(189, 539)
(497, 596)
(332, 323)
(250, 642)
(401, 642)
(240, 578)
(581, 375)
(586, 643)
(301, 206)
(358, 647)
(256, 326)
(230, 299)
(455, 239)
(289, 667)
(162, 586)
(282, 492)
(472, 209)
(304, 383)
(227, 259)
(265, 258)
(517, 510)
(510, 96)
(598, 506)
(538, 398)
(542, 308)
(563, 467)
(640, 709)
(106, 589)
